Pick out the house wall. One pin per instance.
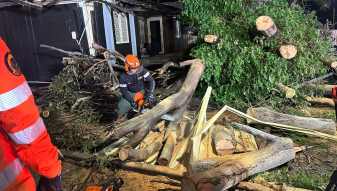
(25, 29)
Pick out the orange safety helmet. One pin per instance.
(131, 62)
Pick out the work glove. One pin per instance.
(151, 100)
(50, 184)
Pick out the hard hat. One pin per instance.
(131, 62)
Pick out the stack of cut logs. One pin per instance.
(268, 28)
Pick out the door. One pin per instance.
(155, 37)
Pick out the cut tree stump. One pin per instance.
(289, 92)
(221, 173)
(266, 25)
(320, 101)
(288, 51)
(222, 140)
(144, 122)
(318, 124)
(211, 39)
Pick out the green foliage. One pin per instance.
(244, 67)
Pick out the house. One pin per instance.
(132, 27)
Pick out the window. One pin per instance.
(121, 28)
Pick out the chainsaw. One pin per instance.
(143, 106)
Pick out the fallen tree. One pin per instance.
(322, 125)
(224, 172)
(143, 123)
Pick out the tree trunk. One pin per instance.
(266, 25)
(139, 154)
(222, 141)
(320, 101)
(288, 51)
(289, 92)
(177, 100)
(224, 172)
(323, 125)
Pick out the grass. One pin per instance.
(297, 178)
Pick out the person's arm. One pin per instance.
(20, 119)
(149, 84)
(123, 86)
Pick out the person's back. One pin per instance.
(24, 140)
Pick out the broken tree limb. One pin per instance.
(222, 141)
(289, 92)
(266, 25)
(325, 88)
(288, 51)
(318, 124)
(139, 154)
(316, 80)
(224, 172)
(172, 102)
(320, 101)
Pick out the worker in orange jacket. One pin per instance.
(24, 140)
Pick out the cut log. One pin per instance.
(145, 121)
(167, 151)
(156, 169)
(244, 142)
(224, 172)
(320, 101)
(178, 152)
(211, 39)
(266, 25)
(289, 92)
(322, 125)
(288, 51)
(140, 154)
(222, 141)
(250, 186)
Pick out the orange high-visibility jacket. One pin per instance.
(24, 140)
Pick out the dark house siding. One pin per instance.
(25, 29)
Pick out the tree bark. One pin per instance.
(156, 169)
(177, 100)
(222, 141)
(289, 92)
(288, 51)
(127, 153)
(221, 173)
(250, 186)
(323, 125)
(266, 25)
(320, 101)
(167, 151)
